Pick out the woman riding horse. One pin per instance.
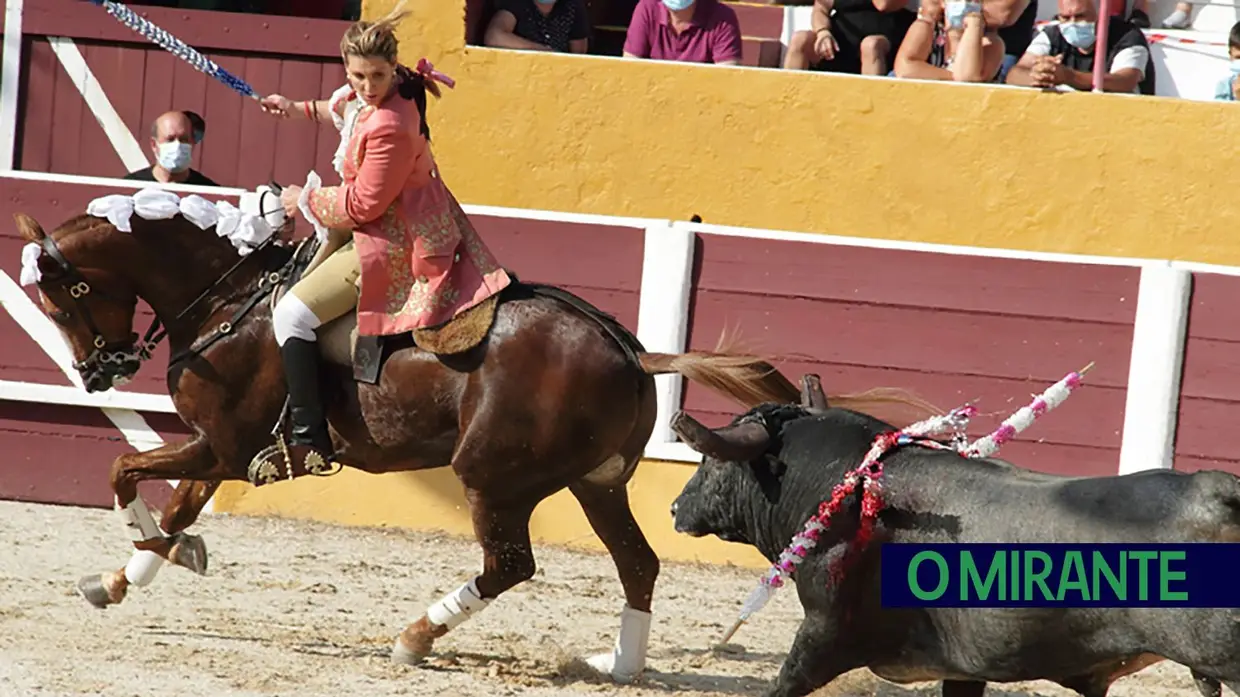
(392, 222)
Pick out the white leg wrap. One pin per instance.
(139, 522)
(628, 659)
(142, 567)
(457, 606)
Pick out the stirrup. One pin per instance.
(264, 469)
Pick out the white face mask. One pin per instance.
(174, 156)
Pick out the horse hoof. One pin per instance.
(190, 552)
(404, 655)
(605, 664)
(92, 588)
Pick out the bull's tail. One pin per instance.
(752, 380)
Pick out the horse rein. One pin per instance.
(121, 351)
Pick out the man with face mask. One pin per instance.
(173, 137)
(1064, 54)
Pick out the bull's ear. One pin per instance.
(28, 228)
(812, 396)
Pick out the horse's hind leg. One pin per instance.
(152, 544)
(503, 531)
(607, 509)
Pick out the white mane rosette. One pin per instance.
(30, 263)
(245, 227)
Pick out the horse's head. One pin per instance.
(92, 307)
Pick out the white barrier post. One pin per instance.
(663, 312)
(1153, 397)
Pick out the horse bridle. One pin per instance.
(104, 352)
(108, 356)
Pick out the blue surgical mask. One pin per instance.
(1235, 66)
(678, 5)
(1079, 34)
(174, 155)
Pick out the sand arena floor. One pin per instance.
(295, 608)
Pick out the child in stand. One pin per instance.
(1228, 88)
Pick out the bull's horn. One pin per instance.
(812, 396)
(740, 443)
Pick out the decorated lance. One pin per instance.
(1023, 418)
(176, 47)
(870, 470)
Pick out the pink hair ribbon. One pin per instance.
(426, 70)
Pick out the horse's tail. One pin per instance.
(752, 380)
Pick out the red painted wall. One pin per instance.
(294, 56)
(1210, 386)
(950, 328)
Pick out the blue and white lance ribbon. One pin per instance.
(175, 46)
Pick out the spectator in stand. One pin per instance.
(173, 137)
(1181, 18)
(850, 36)
(539, 25)
(1064, 53)
(690, 31)
(1016, 36)
(1228, 88)
(950, 43)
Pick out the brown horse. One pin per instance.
(554, 394)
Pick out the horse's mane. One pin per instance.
(80, 223)
(84, 223)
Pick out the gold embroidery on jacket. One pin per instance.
(408, 295)
(473, 244)
(323, 205)
(438, 233)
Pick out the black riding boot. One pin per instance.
(309, 425)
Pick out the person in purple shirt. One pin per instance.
(690, 31)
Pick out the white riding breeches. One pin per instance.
(292, 318)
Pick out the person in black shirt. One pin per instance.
(539, 25)
(1064, 54)
(173, 137)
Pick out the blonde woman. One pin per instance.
(950, 41)
(391, 226)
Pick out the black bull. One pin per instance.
(765, 474)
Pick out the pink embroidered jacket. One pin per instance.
(422, 262)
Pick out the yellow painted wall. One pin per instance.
(433, 501)
(928, 161)
(933, 162)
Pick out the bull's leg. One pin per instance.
(507, 559)
(964, 688)
(189, 460)
(1207, 686)
(607, 509)
(815, 659)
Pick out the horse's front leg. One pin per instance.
(194, 463)
(183, 549)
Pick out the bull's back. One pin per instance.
(993, 501)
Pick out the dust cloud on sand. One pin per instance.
(295, 608)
